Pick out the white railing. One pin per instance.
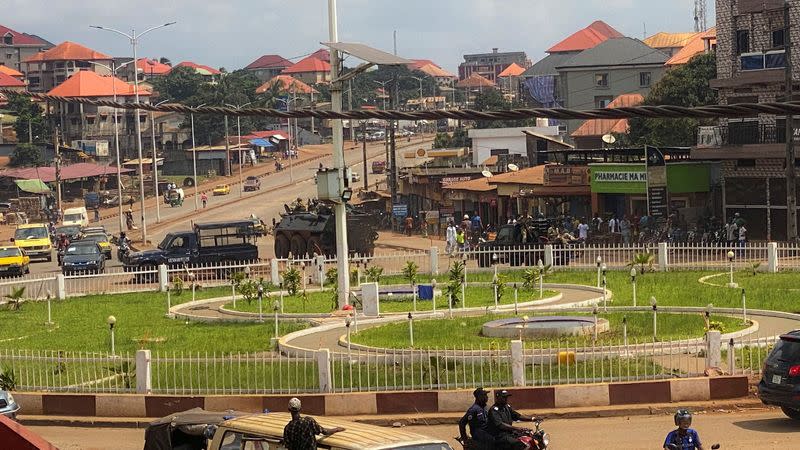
(36, 286)
(218, 274)
(457, 367)
(65, 371)
(113, 281)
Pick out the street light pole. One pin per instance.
(239, 145)
(155, 160)
(194, 163)
(134, 40)
(338, 162)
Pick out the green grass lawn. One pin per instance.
(466, 331)
(322, 302)
(80, 325)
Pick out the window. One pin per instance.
(601, 80)
(742, 41)
(602, 101)
(645, 78)
(498, 151)
(775, 59)
(778, 38)
(8, 39)
(9, 55)
(752, 61)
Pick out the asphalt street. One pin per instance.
(757, 429)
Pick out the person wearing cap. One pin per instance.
(301, 432)
(477, 419)
(501, 419)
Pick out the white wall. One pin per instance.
(513, 139)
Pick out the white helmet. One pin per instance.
(466, 216)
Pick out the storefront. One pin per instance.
(565, 191)
(622, 189)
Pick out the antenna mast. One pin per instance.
(700, 23)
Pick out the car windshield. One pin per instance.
(785, 350)
(82, 250)
(73, 217)
(96, 237)
(71, 230)
(31, 233)
(6, 252)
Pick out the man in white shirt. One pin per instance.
(583, 230)
(450, 238)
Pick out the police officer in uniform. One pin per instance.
(477, 419)
(501, 419)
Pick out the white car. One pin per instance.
(355, 177)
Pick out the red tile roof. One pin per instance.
(68, 51)
(475, 81)
(89, 84)
(270, 62)
(152, 67)
(514, 70)
(71, 172)
(323, 54)
(309, 64)
(435, 71)
(9, 81)
(9, 71)
(601, 127)
(586, 38)
(417, 64)
(199, 67)
(287, 84)
(21, 38)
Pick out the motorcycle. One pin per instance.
(677, 447)
(123, 248)
(536, 439)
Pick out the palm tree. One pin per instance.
(643, 259)
(15, 298)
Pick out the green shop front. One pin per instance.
(621, 189)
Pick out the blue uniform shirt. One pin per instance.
(690, 440)
(476, 418)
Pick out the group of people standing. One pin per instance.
(736, 231)
(458, 236)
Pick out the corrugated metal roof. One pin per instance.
(547, 66)
(669, 40)
(270, 62)
(586, 38)
(695, 47)
(287, 84)
(615, 52)
(601, 127)
(531, 175)
(308, 65)
(476, 185)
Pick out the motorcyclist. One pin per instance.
(684, 437)
(61, 246)
(501, 419)
(477, 419)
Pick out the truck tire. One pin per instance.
(791, 413)
(315, 246)
(298, 246)
(282, 246)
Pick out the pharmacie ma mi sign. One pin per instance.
(621, 176)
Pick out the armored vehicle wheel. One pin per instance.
(298, 246)
(282, 246)
(315, 246)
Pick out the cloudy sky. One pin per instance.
(232, 33)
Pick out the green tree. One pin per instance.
(27, 155)
(30, 125)
(492, 100)
(179, 84)
(686, 85)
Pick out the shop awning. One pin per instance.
(32, 186)
(71, 172)
(261, 143)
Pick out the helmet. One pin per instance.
(466, 216)
(681, 415)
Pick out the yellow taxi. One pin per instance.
(34, 240)
(101, 239)
(14, 261)
(222, 189)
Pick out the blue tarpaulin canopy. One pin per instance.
(261, 143)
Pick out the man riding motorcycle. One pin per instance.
(61, 246)
(684, 437)
(501, 419)
(477, 419)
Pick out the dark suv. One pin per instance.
(780, 384)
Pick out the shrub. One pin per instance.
(177, 285)
(292, 280)
(8, 380)
(374, 273)
(410, 272)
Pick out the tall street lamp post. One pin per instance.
(114, 68)
(134, 40)
(239, 144)
(155, 160)
(194, 162)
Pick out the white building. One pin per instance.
(505, 141)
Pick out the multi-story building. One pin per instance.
(310, 70)
(268, 66)
(81, 122)
(751, 61)
(16, 47)
(48, 69)
(490, 65)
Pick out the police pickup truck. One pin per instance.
(208, 243)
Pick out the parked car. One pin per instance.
(780, 382)
(8, 406)
(83, 257)
(76, 216)
(99, 238)
(252, 184)
(14, 261)
(34, 240)
(355, 177)
(378, 167)
(222, 189)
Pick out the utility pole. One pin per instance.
(791, 176)
(227, 150)
(350, 108)
(364, 152)
(340, 210)
(58, 172)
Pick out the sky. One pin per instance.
(233, 33)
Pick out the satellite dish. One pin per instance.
(513, 167)
(609, 139)
(487, 174)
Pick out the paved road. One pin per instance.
(759, 429)
(277, 189)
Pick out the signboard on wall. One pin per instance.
(399, 210)
(566, 176)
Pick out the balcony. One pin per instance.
(741, 140)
